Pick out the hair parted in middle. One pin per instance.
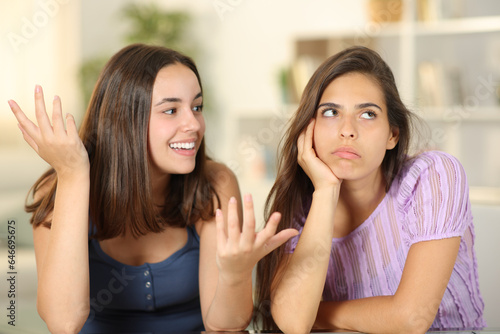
(292, 190)
(115, 134)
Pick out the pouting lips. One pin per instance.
(182, 146)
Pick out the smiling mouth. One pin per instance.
(182, 146)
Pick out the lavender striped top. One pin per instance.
(428, 200)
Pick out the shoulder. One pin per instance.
(434, 196)
(433, 159)
(222, 178)
(225, 185)
(439, 168)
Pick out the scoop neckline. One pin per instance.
(159, 264)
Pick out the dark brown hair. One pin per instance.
(292, 190)
(114, 132)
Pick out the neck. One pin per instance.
(358, 199)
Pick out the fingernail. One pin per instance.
(11, 103)
(56, 97)
(232, 200)
(218, 213)
(38, 88)
(248, 197)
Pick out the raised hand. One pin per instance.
(61, 148)
(239, 250)
(319, 173)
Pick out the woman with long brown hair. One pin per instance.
(386, 240)
(128, 228)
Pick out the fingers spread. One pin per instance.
(71, 128)
(268, 232)
(233, 225)
(25, 124)
(279, 239)
(28, 138)
(221, 233)
(57, 119)
(41, 114)
(248, 234)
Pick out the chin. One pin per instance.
(183, 169)
(344, 172)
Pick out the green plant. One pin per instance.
(149, 24)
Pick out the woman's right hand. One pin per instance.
(61, 148)
(318, 172)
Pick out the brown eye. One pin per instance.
(329, 112)
(368, 115)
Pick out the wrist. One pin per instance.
(331, 191)
(73, 175)
(235, 280)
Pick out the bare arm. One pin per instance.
(413, 307)
(228, 254)
(297, 289)
(61, 251)
(62, 259)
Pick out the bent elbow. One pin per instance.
(241, 326)
(415, 322)
(295, 328)
(64, 322)
(418, 327)
(294, 325)
(64, 328)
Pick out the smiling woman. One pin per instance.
(386, 240)
(128, 224)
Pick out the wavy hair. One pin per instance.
(114, 132)
(292, 190)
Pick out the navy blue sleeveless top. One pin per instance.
(153, 297)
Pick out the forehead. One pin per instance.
(176, 79)
(353, 85)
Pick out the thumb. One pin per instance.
(279, 239)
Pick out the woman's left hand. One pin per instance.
(239, 250)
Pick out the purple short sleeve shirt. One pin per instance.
(428, 200)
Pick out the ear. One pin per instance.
(393, 138)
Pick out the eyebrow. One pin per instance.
(357, 106)
(176, 99)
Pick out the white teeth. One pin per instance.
(183, 146)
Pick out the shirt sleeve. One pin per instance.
(291, 244)
(436, 198)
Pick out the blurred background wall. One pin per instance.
(254, 58)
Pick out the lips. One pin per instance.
(347, 153)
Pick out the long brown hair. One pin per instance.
(292, 190)
(114, 132)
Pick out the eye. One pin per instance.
(170, 111)
(329, 112)
(368, 115)
(198, 108)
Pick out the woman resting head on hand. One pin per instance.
(386, 240)
(132, 211)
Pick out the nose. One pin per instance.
(190, 122)
(348, 129)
